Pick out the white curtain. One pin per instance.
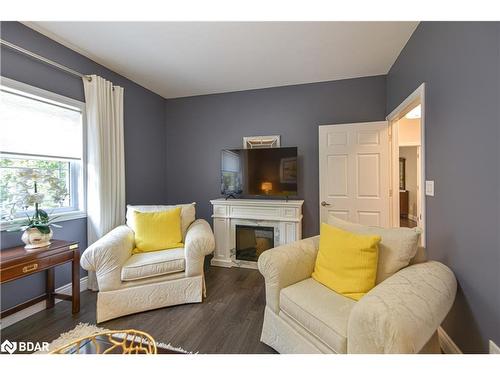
(105, 160)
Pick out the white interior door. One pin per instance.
(354, 176)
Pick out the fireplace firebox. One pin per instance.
(251, 241)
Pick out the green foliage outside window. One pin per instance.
(16, 191)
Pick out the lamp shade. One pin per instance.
(266, 187)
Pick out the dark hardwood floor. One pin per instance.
(407, 223)
(228, 321)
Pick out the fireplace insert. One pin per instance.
(251, 241)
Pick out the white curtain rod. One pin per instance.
(44, 60)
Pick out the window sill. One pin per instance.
(14, 225)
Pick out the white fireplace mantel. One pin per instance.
(285, 216)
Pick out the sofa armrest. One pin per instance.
(107, 255)
(286, 265)
(199, 242)
(402, 313)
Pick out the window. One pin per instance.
(41, 133)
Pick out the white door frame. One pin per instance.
(420, 186)
(416, 96)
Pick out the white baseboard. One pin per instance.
(447, 345)
(221, 263)
(40, 306)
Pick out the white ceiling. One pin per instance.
(176, 59)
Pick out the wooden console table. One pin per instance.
(16, 263)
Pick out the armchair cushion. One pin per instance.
(285, 265)
(319, 310)
(157, 230)
(156, 263)
(188, 214)
(346, 262)
(396, 249)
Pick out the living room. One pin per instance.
(236, 187)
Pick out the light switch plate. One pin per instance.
(429, 188)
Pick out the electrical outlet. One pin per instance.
(429, 188)
(494, 349)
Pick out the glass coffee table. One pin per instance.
(115, 342)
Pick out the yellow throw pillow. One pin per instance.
(157, 230)
(346, 262)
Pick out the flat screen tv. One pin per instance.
(259, 172)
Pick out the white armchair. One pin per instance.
(130, 283)
(400, 315)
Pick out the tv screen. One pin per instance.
(264, 172)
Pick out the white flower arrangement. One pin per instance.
(28, 196)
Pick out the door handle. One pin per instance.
(324, 204)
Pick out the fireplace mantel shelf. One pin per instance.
(258, 202)
(285, 216)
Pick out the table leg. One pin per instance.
(75, 282)
(49, 288)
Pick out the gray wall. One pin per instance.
(144, 118)
(199, 127)
(459, 62)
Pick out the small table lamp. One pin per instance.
(266, 187)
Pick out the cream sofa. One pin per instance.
(400, 315)
(130, 283)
